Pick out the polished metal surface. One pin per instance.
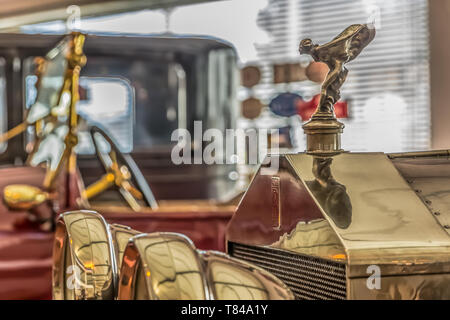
(87, 255)
(120, 236)
(331, 194)
(386, 216)
(233, 279)
(356, 209)
(421, 154)
(432, 286)
(84, 264)
(252, 222)
(161, 266)
(167, 266)
(315, 238)
(323, 130)
(23, 197)
(153, 266)
(430, 178)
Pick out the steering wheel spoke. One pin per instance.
(130, 199)
(104, 183)
(131, 189)
(121, 172)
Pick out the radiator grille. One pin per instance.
(308, 277)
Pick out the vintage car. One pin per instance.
(325, 224)
(329, 224)
(340, 225)
(71, 146)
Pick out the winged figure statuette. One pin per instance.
(336, 53)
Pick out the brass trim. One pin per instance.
(161, 266)
(420, 154)
(167, 265)
(23, 197)
(84, 263)
(76, 60)
(13, 132)
(233, 279)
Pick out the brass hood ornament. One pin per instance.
(323, 130)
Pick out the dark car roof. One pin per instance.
(110, 42)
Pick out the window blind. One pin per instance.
(388, 84)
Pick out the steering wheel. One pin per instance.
(121, 172)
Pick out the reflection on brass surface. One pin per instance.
(399, 209)
(23, 197)
(323, 130)
(331, 194)
(120, 236)
(390, 225)
(314, 238)
(83, 258)
(276, 203)
(161, 266)
(403, 287)
(430, 177)
(232, 279)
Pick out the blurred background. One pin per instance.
(395, 97)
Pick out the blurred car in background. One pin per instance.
(138, 90)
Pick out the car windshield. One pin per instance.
(141, 101)
(51, 81)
